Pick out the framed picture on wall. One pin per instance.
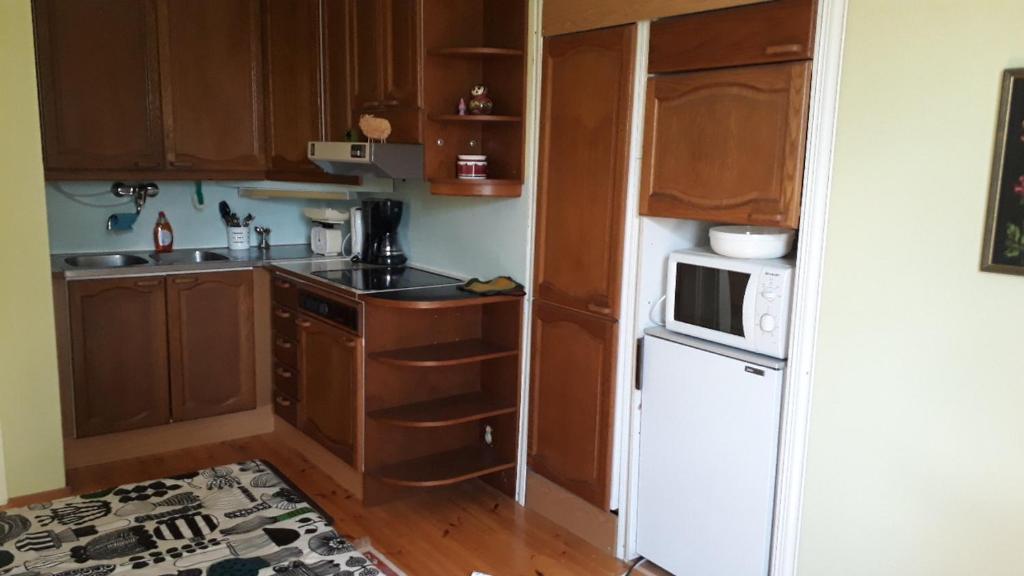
(1004, 228)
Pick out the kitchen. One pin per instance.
(532, 392)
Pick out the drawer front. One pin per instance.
(286, 407)
(286, 380)
(778, 31)
(283, 321)
(286, 350)
(283, 292)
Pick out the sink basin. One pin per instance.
(188, 257)
(105, 260)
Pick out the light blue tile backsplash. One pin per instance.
(482, 237)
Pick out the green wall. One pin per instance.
(916, 463)
(29, 402)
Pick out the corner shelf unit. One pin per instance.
(442, 390)
(484, 44)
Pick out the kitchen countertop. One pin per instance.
(251, 258)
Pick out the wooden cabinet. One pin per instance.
(99, 85)
(727, 145)
(329, 362)
(306, 82)
(776, 31)
(386, 64)
(119, 354)
(211, 70)
(210, 338)
(584, 162)
(572, 394)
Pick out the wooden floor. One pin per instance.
(450, 532)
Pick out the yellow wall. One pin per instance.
(29, 403)
(916, 462)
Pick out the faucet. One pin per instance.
(139, 193)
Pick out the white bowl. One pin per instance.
(751, 241)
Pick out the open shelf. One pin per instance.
(474, 118)
(476, 52)
(444, 468)
(466, 187)
(444, 354)
(443, 411)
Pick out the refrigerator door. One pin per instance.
(708, 447)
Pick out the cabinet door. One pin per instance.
(336, 62)
(367, 41)
(727, 145)
(210, 338)
(211, 69)
(584, 158)
(119, 351)
(329, 367)
(293, 82)
(99, 84)
(402, 59)
(572, 391)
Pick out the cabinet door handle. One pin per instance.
(303, 323)
(599, 309)
(141, 164)
(282, 343)
(391, 102)
(282, 401)
(147, 283)
(780, 49)
(350, 342)
(180, 164)
(184, 280)
(282, 283)
(371, 104)
(282, 313)
(283, 373)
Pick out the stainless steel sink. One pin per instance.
(187, 257)
(105, 260)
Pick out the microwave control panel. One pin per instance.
(771, 320)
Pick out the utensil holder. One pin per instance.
(238, 238)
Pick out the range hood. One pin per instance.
(398, 161)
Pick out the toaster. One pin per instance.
(325, 241)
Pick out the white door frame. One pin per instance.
(793, 436)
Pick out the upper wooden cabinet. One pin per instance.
(572, 394)
(306, 82)
(211, 71)
(387, 64)
(210, 338)
(776, 31)
(586, 102)
(727, 145)
(99, 84)
(119, 354)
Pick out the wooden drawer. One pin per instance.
(286, 407)
(286, 350)
(777, 31)
(283, 292)
(286, 380)
(283, 321)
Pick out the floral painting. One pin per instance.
(1004, 242)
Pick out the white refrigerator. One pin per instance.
(709, 430)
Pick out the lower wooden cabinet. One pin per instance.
(210, 339)
(119, 354)
(727, 145)
(150, 350)
(572, 392)
(329, 369)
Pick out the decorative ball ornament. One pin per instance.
(376, 129)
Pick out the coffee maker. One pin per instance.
(380, 244)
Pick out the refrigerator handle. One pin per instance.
(638, 378)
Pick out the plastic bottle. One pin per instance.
(163, 234)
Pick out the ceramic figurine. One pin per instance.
(480, 103)
(376, 129)
(462, 106)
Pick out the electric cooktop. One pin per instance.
(377, 279)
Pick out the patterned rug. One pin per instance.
(244, 519)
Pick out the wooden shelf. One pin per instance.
(474, 118)
(443, 411)
(487, 187)
(444, 354)
(476, 52)
(444, 468)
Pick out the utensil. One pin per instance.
(225, 212)
(248, 219)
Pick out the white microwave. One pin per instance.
(740, 303)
